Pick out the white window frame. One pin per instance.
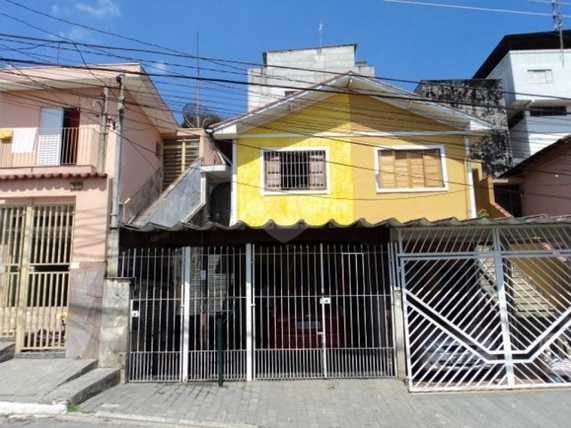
(547, 73)
(442, 150)
(265, 192)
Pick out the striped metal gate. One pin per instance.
(322, 311)
(180, 299)
(278, 312)
(487, 307)
(35, 251)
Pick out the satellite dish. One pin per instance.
(198, 116)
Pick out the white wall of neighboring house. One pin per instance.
(336, 59)
(536, 79)
(534, 133)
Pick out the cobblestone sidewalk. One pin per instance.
(348, 403)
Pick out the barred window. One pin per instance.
(410, 169)
(294, 170)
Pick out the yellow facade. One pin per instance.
(350, 128)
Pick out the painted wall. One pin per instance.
(352, 192)
(140, 158)
(256, 208)
(91, 209)
(371, 115)
(532, 134)
(544, 192)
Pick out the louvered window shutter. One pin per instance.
(387, 168)
(410, 169)
(317, 171)
(402, 170)
(416, 170)
(432, 168)
(272, 171)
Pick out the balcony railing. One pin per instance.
(50, 147)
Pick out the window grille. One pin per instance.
(303, 170)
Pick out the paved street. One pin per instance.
(349, 403)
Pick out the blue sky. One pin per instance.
(408, 42)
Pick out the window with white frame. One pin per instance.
(544, 75)
(404, 169)
(294, 170)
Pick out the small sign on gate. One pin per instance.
(325, 300)
(134, 314)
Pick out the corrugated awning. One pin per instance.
(301, 225)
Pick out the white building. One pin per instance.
(299, 68)
(536, 76)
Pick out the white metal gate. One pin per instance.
(35, 251)
(177, 297)
(286, 311)
(322, 311)
(486, 307)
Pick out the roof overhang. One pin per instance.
(351, 84)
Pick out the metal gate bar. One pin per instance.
(322, 311)
(176, 296)
(488, 307)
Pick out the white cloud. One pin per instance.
(161, 67)
(100, 9)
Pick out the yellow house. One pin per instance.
(351, 148)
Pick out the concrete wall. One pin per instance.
(526, 89)
(533, 133)
(336, 59)
(140, 157)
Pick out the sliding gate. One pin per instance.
(275, 312)
(487, 307)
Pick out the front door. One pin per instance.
(50, 136)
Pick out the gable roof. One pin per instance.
(350, 83)
(520, 168)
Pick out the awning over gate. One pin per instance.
(361, 223)
(286, 233)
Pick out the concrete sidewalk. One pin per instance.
(49, 385)
(347, 403)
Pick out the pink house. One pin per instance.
(58, 133)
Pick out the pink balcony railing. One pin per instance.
(50, 147)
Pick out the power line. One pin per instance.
(471, 8)
(399, 198)
(285, 78)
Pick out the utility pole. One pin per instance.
(113, 253)
(103, 123)
(558, 26)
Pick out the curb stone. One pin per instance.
(9, 408)
(163, 420)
